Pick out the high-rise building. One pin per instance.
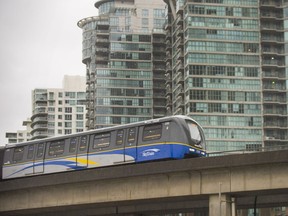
(226, 67)
(58, 111)
(124, 51)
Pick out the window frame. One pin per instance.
(102, 140)
(152, 132)
(18, 155)
(56, 148)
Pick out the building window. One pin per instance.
(68, 109)
(68, 117)
(80, 109)
(79, 117)
(68, 131)
(145, 12)
(68, 124)
(145, 21)
(159, 13)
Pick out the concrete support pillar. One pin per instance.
(220, 207)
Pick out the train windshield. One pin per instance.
(194, 132)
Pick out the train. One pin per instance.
(172, 137)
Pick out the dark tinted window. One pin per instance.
(40, 150)
(101, 141)
(56, 148)
(131, 135)
(83, 143)
(120, 136)
(18, 154)
(73, 143)
(152, 132)
(30, 152)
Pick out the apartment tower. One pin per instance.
(226, 68)
(124, 51)
(59, 111)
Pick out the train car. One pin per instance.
(172, 137)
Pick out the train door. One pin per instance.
(31, 158)
(39, 158)
(82, 152)
(120, 137)
(72, 143)
(130, 149)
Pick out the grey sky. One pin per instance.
(40, 42)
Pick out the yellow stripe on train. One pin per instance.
(83, 161)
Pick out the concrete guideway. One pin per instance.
(154, 187)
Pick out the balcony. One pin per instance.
(272, 38)
(275, 112)
(270, 3)
(179, 77)
(271, 15)
(39, 135)
(272, 27)
(274, 63)
(102, 40)
(273, 51)
(178, 90)
(101, 59)
(275, 124)
(274, 74)
(274, 87)
(274, 100)
(102, 50)
(179, 20)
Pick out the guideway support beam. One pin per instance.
(221, 205)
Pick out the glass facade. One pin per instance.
(224, 65)
(118, 51)
(214, 69)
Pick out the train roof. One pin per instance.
(134, 124)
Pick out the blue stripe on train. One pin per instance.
(153, 152)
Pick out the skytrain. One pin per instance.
(173, 137)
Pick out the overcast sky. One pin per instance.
(40, 42)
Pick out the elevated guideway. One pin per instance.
(156, 187)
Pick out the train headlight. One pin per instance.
(192, 150)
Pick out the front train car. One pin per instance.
(173, 137)
(196, 139)
(188, 137)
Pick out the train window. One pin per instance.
(40, 150)
(30, 152)
(18, 154)
(83, 143)
(101, 140)
(120, 136)
(56, 148)
(194, 132)
(131, 135)
(152, 132)
(73, 143)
